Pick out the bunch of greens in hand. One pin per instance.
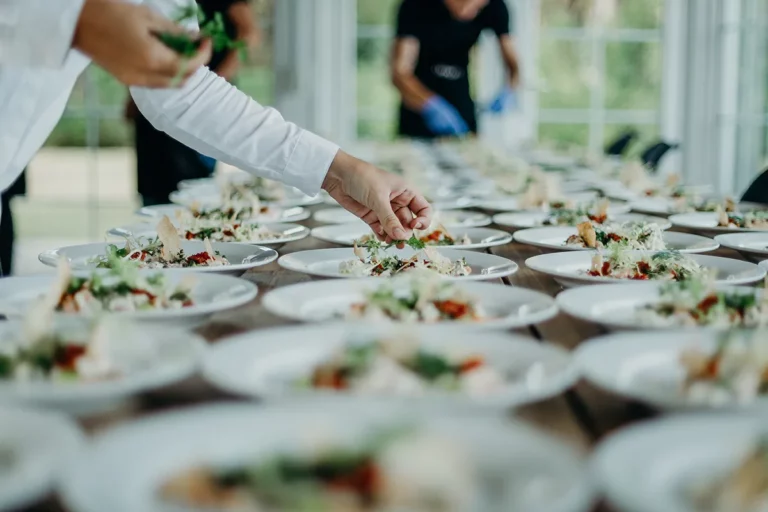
(187, 44)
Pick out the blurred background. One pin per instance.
(693, 72)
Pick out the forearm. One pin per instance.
(511, 62)
(37, 33)
(213, 117)
(413, 92)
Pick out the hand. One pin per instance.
(120, 37)
(506, 100)
(383, 200)
(442, 118)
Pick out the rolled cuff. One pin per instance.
(309, 162)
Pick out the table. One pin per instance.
(581, 417)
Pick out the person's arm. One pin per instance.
(509, 56)
(405, 54)
(242, 17)
(37, 33)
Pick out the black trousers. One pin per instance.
(7, 234)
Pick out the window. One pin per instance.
(83, 181)
(600, 71)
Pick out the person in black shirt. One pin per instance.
(430, 59)
(162, 161)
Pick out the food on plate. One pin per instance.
(636, 236)
(698, 303)
(229, 232)
(371, 262)
(709, 205)
(743, 488)
(123, 289)
(664, 265)
(757, 219)
(49, 356)
(401, 367)
(425, 300)
(224, 214)
(251, 192)
(392, 469)
(575, 216)
(163, 252)
(736, 371)
(543, 189)
(436, 235)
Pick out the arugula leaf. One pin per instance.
(213, 29)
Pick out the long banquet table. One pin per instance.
(582, 416)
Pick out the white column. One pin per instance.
(315, 65)
(674, 38)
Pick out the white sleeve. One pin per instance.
(213, 117)
(37, 33)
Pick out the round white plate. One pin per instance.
(706, 222)
(664, 206)
(531, 470)
(754, 246)
(569, 268)
(346, 234)
(213, 181)
(268, 363)
(275, 214)
(508, 307)
(615, 306)
(450, 219)
(149, 356)
(288, 233)
(207, 198)
(212, 293)
(325, 263)
(646, 366)
(651, 467)
(40, 446)
(242, 256)
(555, 237)
(524, 220)
(512, 203)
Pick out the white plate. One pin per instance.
(207, 198)
(512, 203)
(268, 363)
(293, 214)
(507, 307)
(453, 203)
(646, 365)
(288, 233)
(242, 256)
(568, 268)
(325, 263)
(754, 246)
(42, 445)
(555, 237)
(650, 467)
(706, 222)
(150, 357)
(532, 471)
(525, 220)
(346, 234)
(664, 206)
(450, 219)
(213, 293)
(615, 306)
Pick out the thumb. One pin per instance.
(389, 220)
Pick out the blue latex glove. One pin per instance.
(442, 118)
(505, 100)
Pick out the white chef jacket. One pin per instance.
(38, 70)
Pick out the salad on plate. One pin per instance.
(401, 367)
(665, 265)
(163, 252)
(372, 262)
(426, 300)
(697, 302)
(631, 235)
(573, 216)
(436, 235)
(369, 475)
(757, 219)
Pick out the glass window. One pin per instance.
(633, 76)
(566, 72)
(564, 137)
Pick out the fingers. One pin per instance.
(389, 221)
(201, 58)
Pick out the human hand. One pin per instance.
(442, 118)
(122, 38)
(383, 200)
(505, 100)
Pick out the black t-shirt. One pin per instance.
(210, 8)
(444, 47)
